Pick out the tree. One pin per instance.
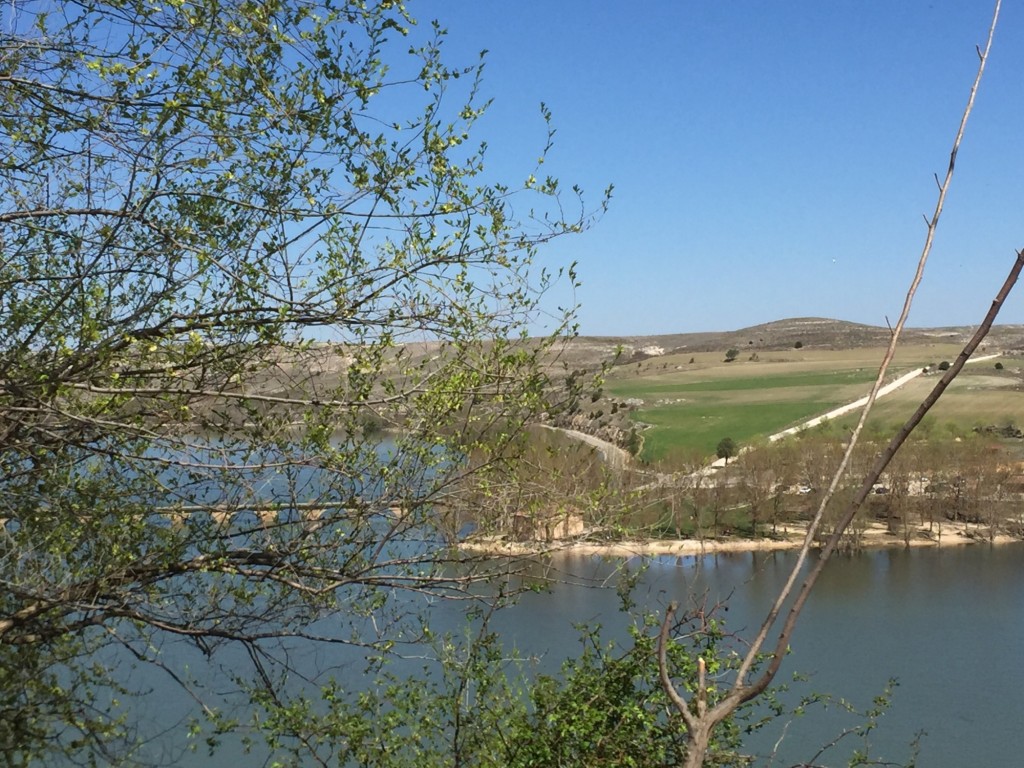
(798, 345)
(726, 449)
(767, 473)
(634, 441)
(731, 355)
(236, 240)
(944, 365)
(610, 709)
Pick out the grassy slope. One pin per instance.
(980, 396)
(693, 405)
(696, 429)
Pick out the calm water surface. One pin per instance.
(948, 624)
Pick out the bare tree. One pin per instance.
(702, 715)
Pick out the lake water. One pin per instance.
(949, 624)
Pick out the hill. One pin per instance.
(678, 394)
(809, 332)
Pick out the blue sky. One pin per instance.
(770, 160)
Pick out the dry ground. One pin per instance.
(876, 535)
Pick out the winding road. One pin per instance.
(614, 457)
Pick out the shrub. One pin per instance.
(633, 442)
(726, 449)
(798, 345)
(944, 365)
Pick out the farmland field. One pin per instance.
(981, 396)
(690, 402)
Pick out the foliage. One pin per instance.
(634, 441)
(238, 239)
(608, 707)
(731, 355)
(474, 704)
(944, 365)
(726, 448)
(457, 711)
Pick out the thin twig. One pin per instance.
(815, 524)
(700, 725)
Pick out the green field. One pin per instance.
(641, 388)
(979, 397)
(690, 406)
(694, 430)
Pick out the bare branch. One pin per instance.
(741, 691)
(666, 679)
(815, 523)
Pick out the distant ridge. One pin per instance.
(810, 332)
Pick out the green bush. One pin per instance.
(726, 448)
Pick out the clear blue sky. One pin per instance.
(770, 160)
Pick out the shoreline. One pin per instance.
(875, 536)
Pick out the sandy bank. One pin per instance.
(948, 534)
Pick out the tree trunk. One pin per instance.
(696, 751)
